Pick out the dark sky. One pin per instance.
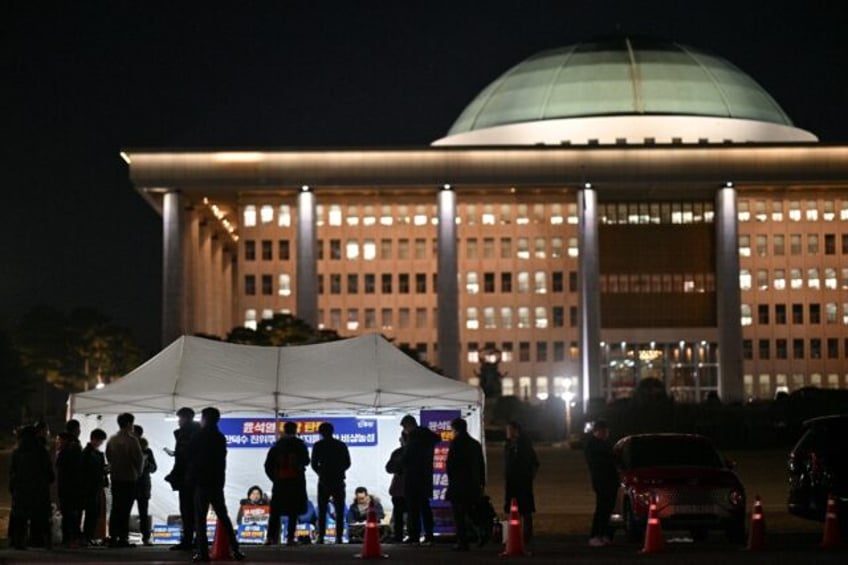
(80, 80)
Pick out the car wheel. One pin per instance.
(632, 528)
(699, 534)
(736, 531)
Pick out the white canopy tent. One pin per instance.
(366, 377)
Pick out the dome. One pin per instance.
(629, 89)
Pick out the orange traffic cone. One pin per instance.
(757, 538)
(830, 539)
(515, 536)
(221, 550)
(653, 532)
(371, 540)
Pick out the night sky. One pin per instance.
(81, 80)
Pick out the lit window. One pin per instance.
(830, 312)
(522, 218)
(284, 285)
(813, 278)
(830, 278)
(845, 313)
(249, 216)
(556, 214)
(812, 211)
(745, 279)
(762, 279)
(266, 214)
(489, 317)
(369, 250)
(541, 317)
(745, 245)
(795, 211)
(760, 209)
(572, 247)
(267, 314)
(777, 211)
(472, 283)
(747, 319)
(524, 281)
(352, 319)
(540, 282)
(386, 218)
(334, 218)
(471, 321)
(743, 212)
(524, 384)
(542, 388)
(420, 220)
(284, 216)
(556, 248)
(506, 317)
(844, 283)
(539, 248)
(572, 214)
(523, 250)
(369, 218)
(352, 218)
(779, 279)
(507, 386)
(795, 280)
(352, 249)
(827, 213)
(250, 319)
(524, 317)
(319, 214)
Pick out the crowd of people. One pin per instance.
(82, 476)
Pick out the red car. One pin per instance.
(695, 489)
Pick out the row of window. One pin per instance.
(796, 210)
(831, 314)
(556, 351)
(813, 348)
(642, 283)
(768, 385)
(796, 244)
(796, 279)
(657, 213)
(490, 317)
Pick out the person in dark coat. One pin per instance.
(183, 436)
(144, 487)
(605, 482)
(206, 474)
(520, 468)
(417, 464)
(330, 460)
(395, 467)
(466, 470)
(68, 477)
(285, 466)
(94, 480)
(30, 475)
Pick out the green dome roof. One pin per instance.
(620, 76)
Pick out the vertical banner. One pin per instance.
(439, 421)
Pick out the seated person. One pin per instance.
(255, 497)
(357, 512)
(305, 523)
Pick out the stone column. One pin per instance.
(447, 286)
(588, 270)
(306, 301)
(728, 297)
(173, 267)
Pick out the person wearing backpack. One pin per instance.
(285, 466)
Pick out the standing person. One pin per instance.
(466, 470)
(68, 476)
(520, 468)
(605, 482)
(417, 467)
(183, 436)
(123, 452)
(206, 474)
(330, 460)
(30, 475)
(94, 480)
(143, 487)
(395, 467)
(285, 466)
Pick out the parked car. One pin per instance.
(818, 467)
(695, 489)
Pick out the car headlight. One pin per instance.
(736, 497)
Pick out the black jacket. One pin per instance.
(69, 474)
(94, 477)
(30, 471)
(207, 459)
(520, 468)
(417, 462)
(601, 462)
(330, 460)
(182, 437)
(466, 469)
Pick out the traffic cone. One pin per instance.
(515, 537)
(757, 537)
(221, 550)
(371, 540)
(653, 532)
(830, 539)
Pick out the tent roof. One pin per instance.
(362, 374)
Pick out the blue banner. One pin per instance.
(263, 432)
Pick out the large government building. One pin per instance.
(599, 214)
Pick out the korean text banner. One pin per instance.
(262, 432)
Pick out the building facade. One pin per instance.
(667, 222)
